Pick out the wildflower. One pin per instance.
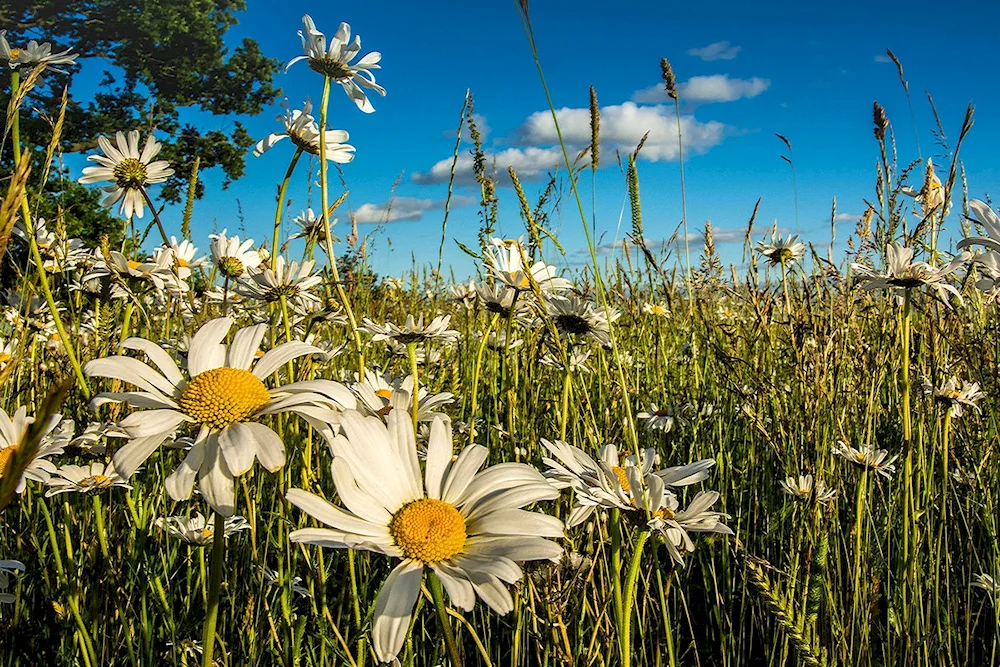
(931, 196)
(902, 273)
(157, 271)
(499, 299)
(953, 397)
(233, 258)
(782, 250)
(33, 54)
(379, 394)
(191, 648)
(656, 309)
(675, 524)
(505, 259)
(311, 227)
(293, 281)
(985, 216)
(58, 253)
(866, 456)
(662, 419)
(466, 526)
(183, 256)
(198, 530)
(84, 479)
(577, 361)
(412, 331)
(8, 351)
(55, 437)
(574, 317)
(497, 341)
(983, 581)
(128, 170)
(302, 129)
(272, 577)
(335, 62)
(463, 294)
(805, 489)
(8, 568)
(224, 395)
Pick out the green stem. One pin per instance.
(214, 589)
(631, 579)
(156, 217)
(567, 389)
(475, 379)
(281, 201)
(411, 352)
(449, 637)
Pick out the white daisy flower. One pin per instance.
(657, 309)
(788, 249)
(931, 196)
(293, 281)
(223, 394)
(233, 258)
(577, 361)
(128, 170)
(191, 648)
(464, 294)
(56, 437)
(665, 418)
(302, 129)
(33, 54)
(955, 395)
(989, 220)
(8, 569)
(183, 256)
(675, 524)
(866, 456)
(805, 489)
(335, 62)
(8, 351)
(273, 578)
(902, 273)
(380, 394)
(311, 227)
(199, 530)
(505, 262)
(412, 331)
(157, 270)
(58, 253)
(466, 526)
(84, 479)
(574, 317)
(983, 581)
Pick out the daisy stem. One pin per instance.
(36, 256)
(156, 216)
(327, 236)
(449, 637)
(352, 575)
(631, 580)
(411, 352)
(945, 437)
(475, 378)
(214, 588)
(615, 530)
(281, 201)
(909, 511)
(858, 535)
(102, 535)
(784, 284)
(567, 389)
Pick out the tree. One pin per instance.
(161, 57)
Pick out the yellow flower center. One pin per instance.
(5, 455)
(4, 357)
(180, 261)
(207, 533)
(223, 396)
(428, 530)
(334, 69)
(14, 53)
(664, 513)
(622, 478)
(658, 310)
(132, 264)
(384, 393)
(231, 267)
(130, 174)
(95, 482)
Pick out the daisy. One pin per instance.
(198, 530)
(311, 227)
(272, 577)
(988, 219)
(931, 196)
(577, 361)
(223, 394)
(805, 489)
(8, 568)
(505, 259)
(902, 273)
(497, 341)
(158, 271)
(955, 395)
(657, 309)
(412, 331)
(866, 456)
(33, 54)
(983, 581)
(58, 253)
(55, 438)
(380, 394)
(500, 299)
(8, 351)
(233, 258)
(191, 648)
(84, 479)
(464, 294)
(335, 62)
(293, 281)
(183, 255)
(782, 250)
(466, 526)
(675, 524)
(574, 317)
(663, 419)
(128, 170)
(302, 129)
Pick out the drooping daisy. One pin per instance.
(866, 456)
(224, 395)
(84, 479)
(273, 578)
(500, 299)
(778, 250)
(902, 273)
(233, 258)
(311, 227)
(989, 220)
(302, 129)
(955, 395)
(56, 437)
(665, 418)
(675, 524)
(497, 341)
(805, 489)
(982, 581)
(128, 170)
(931, 196)
(8, 569)
(466, 526)
(335, 62)
(58, 252)
(157, 271)
(413, 330)
(574, 317)
(293, 281)
(33, 54)
(198, 530)
(505, 259)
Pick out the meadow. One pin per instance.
(237, 456)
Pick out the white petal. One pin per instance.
(158, 356)
(459, 588)
(270, 448)
(245, 344)
(439, 452)
(215, 481)
(333, 516)
(279, 356)
(153, 422)
(128, 459)
(356, 500)
(463, 471)
(180, 483)
(517, 522)
(206, 350)
(239, 447)
(394, 607)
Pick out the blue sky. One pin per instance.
(806, 70)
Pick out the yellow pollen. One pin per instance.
(181, 261)
(14, 53)
(96, 482)
(4, 357)
(231, 267)
(207, 533)
(384, 393)
(428, 530)
(524, 282)
(132, 264)
(223, 396)
(622, 478)
(130, 173)
(5, 455)
(665, 513)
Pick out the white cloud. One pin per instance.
(622, 126)
(846, 217)
(707, 89)
(400, 209)
(530, 163)
(716, 51)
